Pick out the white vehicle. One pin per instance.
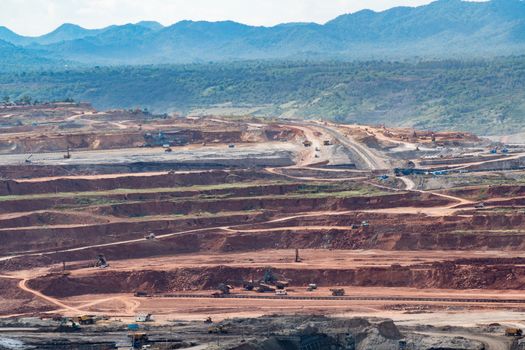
(281, 292)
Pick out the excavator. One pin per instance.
(102, 262)
(269, 283)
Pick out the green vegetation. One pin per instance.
(482, 96)
(82, 197)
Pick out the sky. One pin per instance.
(37, 17)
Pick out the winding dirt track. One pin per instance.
(491, 343)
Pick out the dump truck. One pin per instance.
(513, 332)
(307, 143)
(84, 319)
(151, 237)
(337, 292)
(311, 287)
(480, 206)
(144, 317)
(264, 288)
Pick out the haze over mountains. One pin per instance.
(445, 28)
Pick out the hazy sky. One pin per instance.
(35, 17)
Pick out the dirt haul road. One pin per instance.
(490, 342)
(367, 156)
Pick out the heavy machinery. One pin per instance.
(311, 287)
(222, 289)
(327, 142)
(151, 237)
(168, 150)
(138, 340)
(480, 206)
(338, 292)
(219, 329)
(102, 262)
(144, 317)
(269, 283)
(68, 154)
(264, 288)
(297, 257)
(28, 159)
(84, 319)
(307, 143)
(68, 325)
(271, 279)
(208, 320)
(513, 332)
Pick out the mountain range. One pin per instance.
(442, 29)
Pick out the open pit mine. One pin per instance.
(130, 230)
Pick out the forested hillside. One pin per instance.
(442, 29)
(484, 96)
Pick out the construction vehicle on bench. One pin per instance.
(219, 329)
(102, 262)
(67, 325)
(337, 292)
(513, 332)
(151, 237)
(138, 340)
(68, 154)
(222, 289)
(311, 287)
(269, 283)
(84, 319)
